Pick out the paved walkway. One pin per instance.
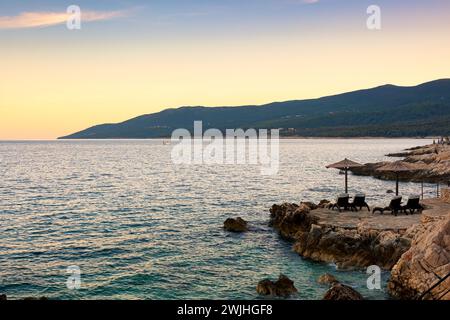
(351, 220)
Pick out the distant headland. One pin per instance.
(384, 111)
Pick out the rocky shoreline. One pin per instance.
(430, 163)
(400, 244)
(421, 271)
(348, 246)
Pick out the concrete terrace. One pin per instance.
(352, 220)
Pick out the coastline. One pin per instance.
(400, 244)
(345, 230)
(168, 138)
(429, 163)
(356, 240)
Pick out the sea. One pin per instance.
(118, 219)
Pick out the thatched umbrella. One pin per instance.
(397, 167)
(345, 165)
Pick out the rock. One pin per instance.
(283, 287)
(445, 195)
(289, 218)
(327, 279)
(347, 247)
(324, 203)
(430, 163)
(419, 267)
(3, 297)
(389, 191)
(340, 291)
(350, 248)
(235, 225)
(310, 205)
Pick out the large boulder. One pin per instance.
(428, 260)
(235, 225)
(339, 291)
(289, 218)
(283, 287)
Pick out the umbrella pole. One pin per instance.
(396, 186)
(346, 180)
(437, 190)
(422, 189)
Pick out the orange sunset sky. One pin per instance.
(137, 57)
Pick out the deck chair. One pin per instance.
(395, 206)
(342, 201)
(413, 205)
(359, 202)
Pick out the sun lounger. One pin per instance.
(360, 201)
(342, 201)
(413, 205)
(394, 207)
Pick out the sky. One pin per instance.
(137, 57)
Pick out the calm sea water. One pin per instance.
(141, 228)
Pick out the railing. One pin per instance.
(441, 280)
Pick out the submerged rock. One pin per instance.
(235, 225)
(428, 259)
(327, 279)
(339, 291)
(283, 287)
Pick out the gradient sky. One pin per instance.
(137, 57)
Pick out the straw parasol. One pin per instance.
(345, 165)
(397, 167)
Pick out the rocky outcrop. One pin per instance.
(445, 195)
(235, 225)
(346, 247)
(427, 261)
(431, 163)
(351, 247)
(339, 291)
(290, 218)
(283, 287)
(3, 297)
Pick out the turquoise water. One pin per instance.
(139, 227)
